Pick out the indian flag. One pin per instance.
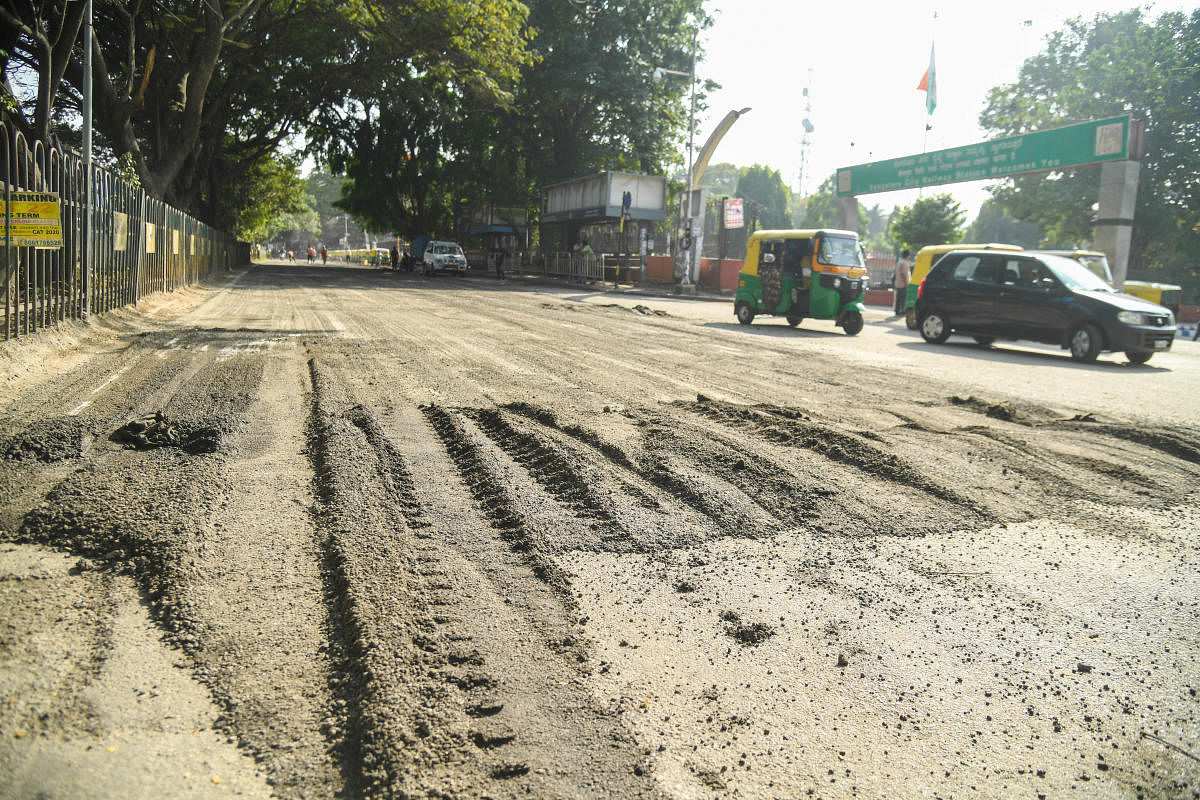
(928, 85)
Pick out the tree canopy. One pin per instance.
(1090, 69)
(768, 195)
(994, 224)
(932, 219)
(422, 102)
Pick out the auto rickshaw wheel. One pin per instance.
(745, 314)
(794, 321)
(852, 323)
(910, 318)
(935, 328)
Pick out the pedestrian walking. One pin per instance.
(324, 254)
(312, 254)
(900, 281)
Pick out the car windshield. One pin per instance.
(839, 251)
(1074, 275)
(1097, 265)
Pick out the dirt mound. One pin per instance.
(50, 440)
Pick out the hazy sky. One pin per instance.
(866, 58)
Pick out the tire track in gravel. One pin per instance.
(679, 483)
(548, 464)
(365, 546)
(433, 687)
(550, 737)
(492, 495)
(223, 576)
(796, 429)
(1182, 443)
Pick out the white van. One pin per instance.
(440, 256)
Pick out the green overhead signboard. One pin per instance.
(1041, 151)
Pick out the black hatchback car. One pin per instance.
(990, 295)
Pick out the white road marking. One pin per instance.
(112, 378)
(74, 411)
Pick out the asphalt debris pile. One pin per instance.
(156, 430)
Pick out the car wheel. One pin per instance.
(985, 341)
(745, 314)
(910, 318)
(935, 328)
(794, 321)
(852, 323)
(1086, 343)
(1138, 356)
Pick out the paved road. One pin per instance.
(320, 532)
(1168, 387)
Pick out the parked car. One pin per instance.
(444, 256)
(992, 295)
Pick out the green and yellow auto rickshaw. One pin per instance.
(798, 274)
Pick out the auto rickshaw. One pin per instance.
(928, 256)
(1167, 295)
(805, 273)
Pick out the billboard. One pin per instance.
(600, 196)
(32, 220)
(734, 217)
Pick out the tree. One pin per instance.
(765, 189)
(269, 191)
(590, 102)
(994, 224)
(201, 94)
(39, 37)
(1113, 64)
(722, 179)
(936, 219)
(406, 131)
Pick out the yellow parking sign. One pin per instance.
(32, 221)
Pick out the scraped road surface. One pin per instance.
(314, 533)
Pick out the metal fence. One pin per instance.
(139, 245)
(580, 267)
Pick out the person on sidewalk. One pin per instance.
(900, 281)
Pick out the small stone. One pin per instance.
(842, 662)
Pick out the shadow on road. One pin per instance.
(975, 352)
(779, 331)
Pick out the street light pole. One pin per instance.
(658, 74)
(687, 273)
(87, 253)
